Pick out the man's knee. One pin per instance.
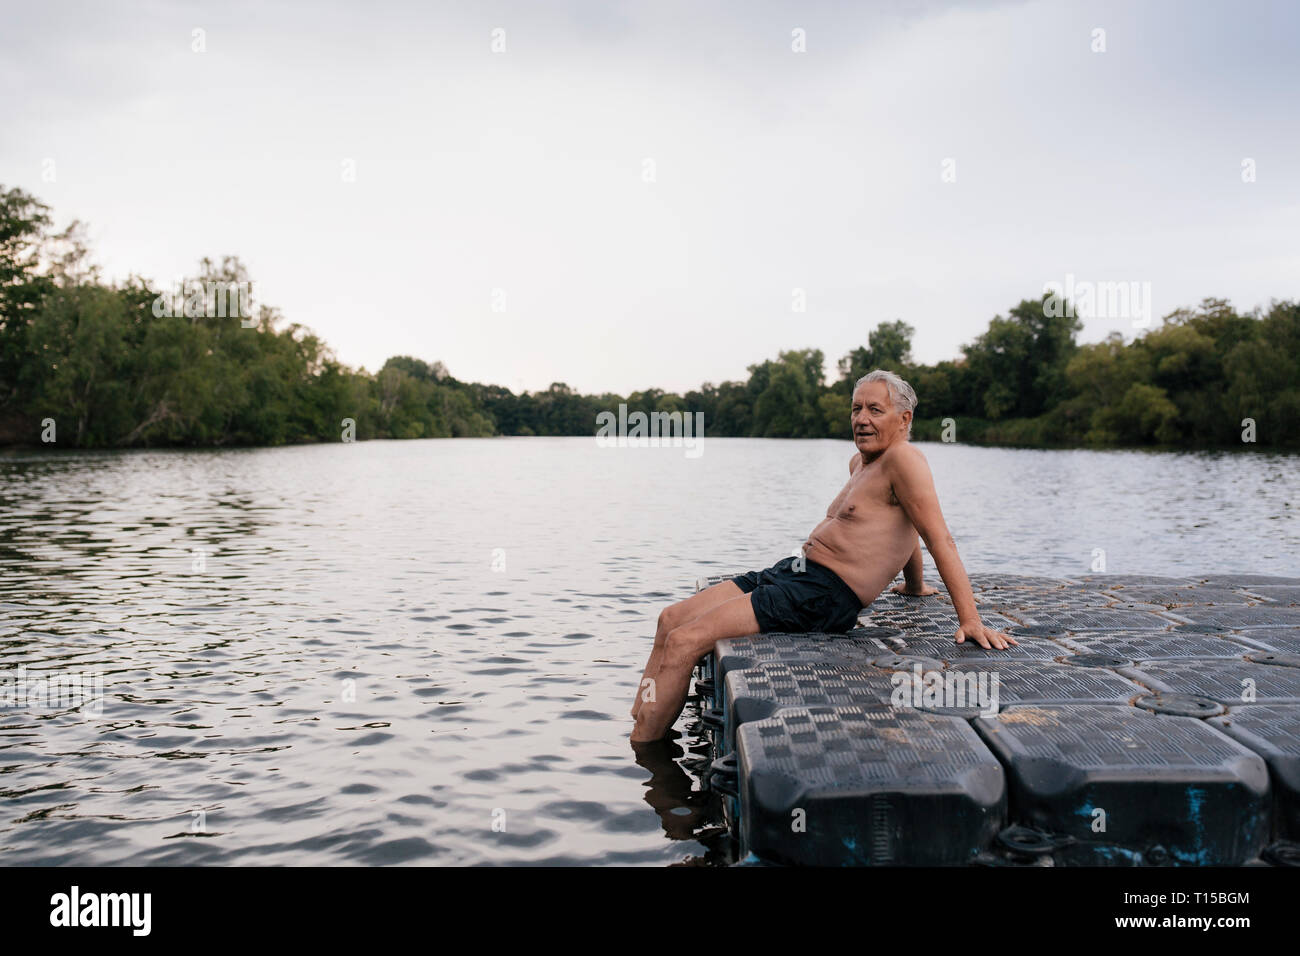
(671, 617)
(684, 646)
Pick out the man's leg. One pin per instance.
(676, 615)
(684, 646)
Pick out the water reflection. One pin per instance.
(424, 652)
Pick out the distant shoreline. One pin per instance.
(920, 434)
(125, 365)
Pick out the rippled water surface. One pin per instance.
(425, 652)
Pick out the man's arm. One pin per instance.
(907, 471)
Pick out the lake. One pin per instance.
(425, 652)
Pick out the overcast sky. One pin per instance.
(773, 170)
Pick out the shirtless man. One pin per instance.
(868, 536)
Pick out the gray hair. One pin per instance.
(900, 393)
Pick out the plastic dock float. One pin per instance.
(1141, 721)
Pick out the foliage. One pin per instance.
(100, 360)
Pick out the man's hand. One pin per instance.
(913, 485)
(985, 637)
(905, 588)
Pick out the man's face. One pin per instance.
(877, 424)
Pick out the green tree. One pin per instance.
(1018, 365)
(788, 405)
(889, 346)
(24, 225)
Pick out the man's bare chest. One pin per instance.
(866, 492)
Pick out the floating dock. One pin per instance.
(1141, 721)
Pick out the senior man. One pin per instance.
(868, 536)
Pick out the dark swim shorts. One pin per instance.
(815, 599)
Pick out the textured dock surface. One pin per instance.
(1142, 720)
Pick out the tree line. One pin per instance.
(97, 364)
